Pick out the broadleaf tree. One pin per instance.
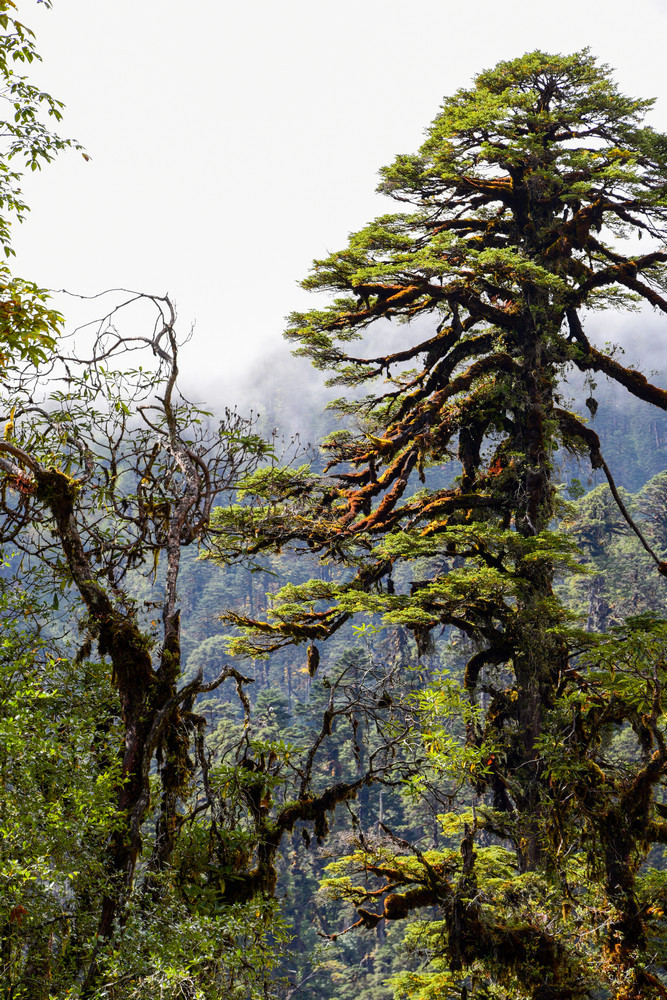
(28, 325)
(107, 471)
(539, 196)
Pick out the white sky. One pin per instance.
(232, 143)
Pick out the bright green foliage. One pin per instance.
(28, 327)
(58, 771)
(511, 930)
(521, 194)
(26, 133)
(231, 953)
(521, 212)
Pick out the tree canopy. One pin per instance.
(538, 196)
(526, 193)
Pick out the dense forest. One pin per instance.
(360, 697)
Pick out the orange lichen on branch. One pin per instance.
(389, 298)
(292, 629)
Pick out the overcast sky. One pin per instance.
(231, 143)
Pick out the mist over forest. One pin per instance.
(291, 397)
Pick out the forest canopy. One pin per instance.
(473, 740)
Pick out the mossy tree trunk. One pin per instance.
(511, 225)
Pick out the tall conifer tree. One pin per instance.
(538, 196)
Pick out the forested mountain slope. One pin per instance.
(382, 717)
